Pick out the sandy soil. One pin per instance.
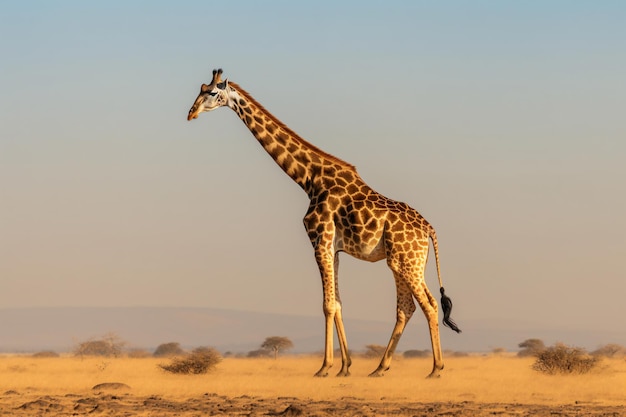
(473, 386)
(122, 402)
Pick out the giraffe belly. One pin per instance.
(372, 251)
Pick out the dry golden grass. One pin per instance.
(481, 379)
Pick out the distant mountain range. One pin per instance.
(61, 329)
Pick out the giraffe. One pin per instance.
(344, 215)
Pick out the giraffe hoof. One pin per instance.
(377, 374)
(321, 374)
(436, 372)
(343, 373)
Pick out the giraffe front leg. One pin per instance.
(343, 344)
(328, 345)
(341, 333)
(325, 261)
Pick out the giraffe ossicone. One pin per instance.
(344, 215)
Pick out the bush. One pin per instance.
(611, 350)
(455, 354)
(562, 359)
(46, 354)
(260, 353)
(498, 351)
(168, 349)
(337, 352)
(199, 361)
(414, 353)
(139, 353)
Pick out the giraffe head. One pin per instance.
(211, 96)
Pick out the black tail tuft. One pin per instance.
(446, 304)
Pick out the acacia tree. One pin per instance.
(277, 344)
(374, 351)
(531, 347)
(168, 349)
(110, 345)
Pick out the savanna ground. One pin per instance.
(470, 386)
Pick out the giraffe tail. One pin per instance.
(446, 302)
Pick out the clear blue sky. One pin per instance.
(501, 122)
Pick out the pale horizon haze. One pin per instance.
(502, 123)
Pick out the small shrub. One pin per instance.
(562, 359)
(259, 353)
(499, 351)
(138, 353)
(414, 353)
(199, 361)
(46, 354)
(337, 352)
(612, 350)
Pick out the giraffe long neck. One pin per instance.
(296, 157)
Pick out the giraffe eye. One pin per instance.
(212, 93)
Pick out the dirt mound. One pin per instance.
(106, 386)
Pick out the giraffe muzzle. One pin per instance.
(192, 115)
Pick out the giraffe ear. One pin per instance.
(223, 84)
(204, 88)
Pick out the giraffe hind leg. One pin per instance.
(428, 304)
(346, 361)
(404, 311)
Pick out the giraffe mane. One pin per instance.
(286, 128)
